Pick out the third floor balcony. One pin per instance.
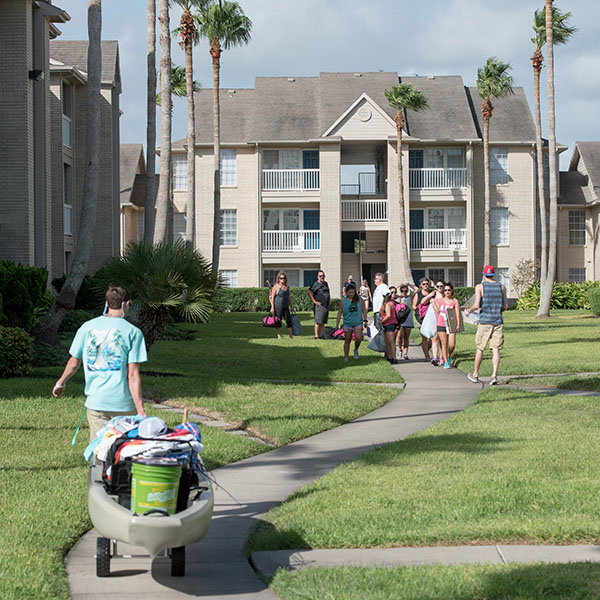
(291, 180)
(437, 179)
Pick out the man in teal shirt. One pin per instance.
(111, 350)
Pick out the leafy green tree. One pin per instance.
(224, 24)
(493, 81)
(402, 97)
(164, 280)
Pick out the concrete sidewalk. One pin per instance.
(217, 567)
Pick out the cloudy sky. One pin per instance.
(430, 37)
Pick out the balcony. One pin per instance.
(284, 180)
(437, 179)
(438, 239)
(299, 240)
(364, 210)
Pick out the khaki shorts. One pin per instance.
(494, 334)
(97, 419)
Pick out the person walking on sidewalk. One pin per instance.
(320, 295)
(381, 289)
(490, 298)
(355, 316)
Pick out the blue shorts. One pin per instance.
(390, 327)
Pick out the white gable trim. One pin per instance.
(351, 108)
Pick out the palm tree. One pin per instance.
(151, 125)
(161, 228)
(164, 280)
(553, 32)
(178, 84)
(47, 329)
(189, 36)
(493, 81)
(224, 24)
(401, 97)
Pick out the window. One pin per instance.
(270, 159)
(229, 278)
(68, 198)
(499, 227)
(270, 277)
(577, 275)
(229, 228)
(502, 277)
(228, 168)
(179, 171)
(293, 276)
(271, 220)
(140, 226)
(289, 220)
(289, 159)
(498, 166)
(440, 158)
(179, 220)
(435, 218)
(455, 158)
(67, 113)
(435, 158)
(437, 274)
(577, 227)
(457, 277)
(456, 218)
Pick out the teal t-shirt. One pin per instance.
(106, 346)
(352, 313)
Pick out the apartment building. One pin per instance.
(309, 181)
(42, 124)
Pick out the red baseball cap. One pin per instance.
(488, 271)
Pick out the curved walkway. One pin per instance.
(217, 567)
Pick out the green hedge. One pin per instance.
(23, 291)
(572, 296)
(462, 294)
(15, 352)
(256, 299)
(594, 294)
(91, 294)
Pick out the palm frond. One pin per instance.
(561, 30)
(405, 96)
(226, 22)
(493, 80)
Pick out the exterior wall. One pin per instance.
(576, 256)
(57, 225)
(204, 201)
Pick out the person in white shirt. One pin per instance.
(381, 289)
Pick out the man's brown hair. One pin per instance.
(116, 296)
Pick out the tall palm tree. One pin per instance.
(178, 84)
(151, 124)
(493, 81)
(161, 227)
(224, 24)
(189, 37)
(401, 97)
(551, 31)
(47, 329)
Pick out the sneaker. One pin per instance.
(394, 361)
(472, 378)
(345, 359)
(447, 364)
(356, 355)
(494, 381)
(434, 362)
(406, 357)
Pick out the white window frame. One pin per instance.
(228, 278)
(179, 226)
(67, 113)
(180, 170)
(498, 166)
(577, 275)
(577, 228)
(228, 228)
(228, 167)
(442, 153)
(502, 276)
(499, 226)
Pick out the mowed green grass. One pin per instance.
(588, 383)
(514, 467)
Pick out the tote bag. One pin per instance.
(296, 325)
(377, 343)
(429, 324)
(271, 321)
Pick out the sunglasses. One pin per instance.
(282, 278)
(448, 290)
(404, 290)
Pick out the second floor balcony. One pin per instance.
(284, 180)
(364, 210)
(438, 239)
(299, 240)
(437, 179)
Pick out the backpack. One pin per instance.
(402, 312)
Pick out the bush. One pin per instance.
(173, 334)
(15, 352)
(594, 294)
(91, 294)
(462, 294)
(46, 355)
(571, 296)
(74, 319)
(23, 290)
(256, 299)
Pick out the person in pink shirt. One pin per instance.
(447, 327)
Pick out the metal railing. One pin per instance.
(364, 210)
(434, 179)
(281, 180)
(438, 239)
(291, 241)
(366, 186)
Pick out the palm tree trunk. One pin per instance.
(546, 296)
(215, 52)
(190, 226)
(406, 274)
(47, 329)
(486, 185)
(162, 201)
(151, 126)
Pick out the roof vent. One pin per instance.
(291, 79)
(357, 74)
(430, 76)
(231, 91)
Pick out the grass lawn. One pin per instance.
(588, 383)
(515, 467)
(575, 581)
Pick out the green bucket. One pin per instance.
(154, 484)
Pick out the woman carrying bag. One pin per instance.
(281, 303)
(389, 323)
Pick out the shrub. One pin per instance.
(46, 355)
(74, 319)
(23, 290)
(462, 294)
(523, 274)
(257, 299)
(173, 334)
(571, 296)
(594, 294)
(15, 352)
(90, 295)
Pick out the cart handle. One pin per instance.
(159, 511)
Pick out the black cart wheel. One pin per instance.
(102, 557)
(178, 561)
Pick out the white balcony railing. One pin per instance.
(291, 241)
(437, 179)
(68, 219)
(281, 180)
(364, 210)
(438, 239)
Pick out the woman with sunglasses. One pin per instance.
(408, 324)
(420, 305)
(365, 295)
(354, 316)
(281, 302)
(442, 308)
(389, 322)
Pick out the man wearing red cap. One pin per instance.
(490, 297)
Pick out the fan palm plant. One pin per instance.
(164, 280)
(224, 24)
(402, 97)
(562, 31)
(493, 81)
(178, 84)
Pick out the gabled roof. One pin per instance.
(589, 153)
(574, 188)
(131, 163)
(74, 54)
(138, 195)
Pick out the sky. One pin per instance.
(430, 37)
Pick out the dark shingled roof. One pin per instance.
(74, 54)
(590, 155)
(131, 162)
(573, 188)
(138, 195)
